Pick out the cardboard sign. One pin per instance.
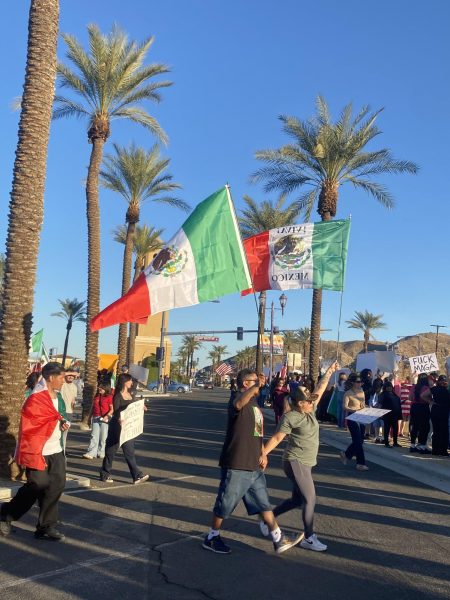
(378, 360)
(426, 363)
(366, 416)
(132, 421)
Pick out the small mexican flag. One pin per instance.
(203, 261)
(311, 255)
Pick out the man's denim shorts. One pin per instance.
(248, 486)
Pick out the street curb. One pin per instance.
(426, 469)
(8, 490)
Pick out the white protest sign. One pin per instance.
(132, 421)
(426, 363)
(139, 373)
(366, 416)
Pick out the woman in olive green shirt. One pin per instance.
(300, 455)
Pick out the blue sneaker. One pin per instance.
(215, 544)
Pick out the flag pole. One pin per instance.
(243, 253)
(340, 311)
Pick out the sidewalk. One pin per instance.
(430, 470)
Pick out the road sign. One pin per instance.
(206, 338)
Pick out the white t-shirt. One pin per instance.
(53, 444)
(69, 392)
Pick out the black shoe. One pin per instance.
(396, 445)
(413, 449)
(49, 534)
(215, 544)
(5, 521)
(387, 446)
(286, 542)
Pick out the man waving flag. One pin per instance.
(203, 261)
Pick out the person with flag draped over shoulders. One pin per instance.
(40, 451)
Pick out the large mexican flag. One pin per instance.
(311, 255)
(203, 261)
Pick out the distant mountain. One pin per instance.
(411, 345)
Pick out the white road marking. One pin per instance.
(96, 560)
(124, 485)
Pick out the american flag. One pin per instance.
(224, 368)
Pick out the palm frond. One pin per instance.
(137, 115)
(377, 190)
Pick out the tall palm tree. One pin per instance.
(366, 322)
(190, 344)
(322, 157)
(108, 82)
(218, 352)
(256, 218)
(72, 311)
(137, 176)
(303, 337)
(2, 274)
(146, 240)
(26, 210)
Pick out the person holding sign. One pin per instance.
(354, 400)
(420, 415)
(121, 401)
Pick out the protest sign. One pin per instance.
(132, 421)
(426, 363)
(378, 360)
(139, 373)
(366, 416)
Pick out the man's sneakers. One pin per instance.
(141, 479)
(5, 521)
(286, 542)
(215, 544)
(362, 468)
(49, 533)
(312, 543)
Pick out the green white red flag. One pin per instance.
(203, 261)
(310, 255)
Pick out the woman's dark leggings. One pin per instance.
(390, 420)
(303, 493)
(419, 424)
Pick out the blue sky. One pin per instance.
(236, 66)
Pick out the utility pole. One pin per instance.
(437, 335)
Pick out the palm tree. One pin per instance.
(190, 344)
(366, 322)
(322, 157)
(256, 219)
(26, 210)
(303, 337)
(145, 241)
(109, 82)
(218, 352)
(290, 341)
(137, 176)
(72, 311)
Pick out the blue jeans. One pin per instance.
(98, 438)
(356, 447)
(236, 485)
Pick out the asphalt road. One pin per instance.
(388, 536)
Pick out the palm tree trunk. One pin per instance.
(66, 343)
(366, 341)
(93, 296)
(26, 210)
(126, 275)
(261, 326)
(133, 326)
(316, 317)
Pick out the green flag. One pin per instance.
(36, 341)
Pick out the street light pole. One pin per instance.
(283, 300)
(437, 335)
(161, 345)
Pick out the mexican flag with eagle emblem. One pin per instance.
(204, 260)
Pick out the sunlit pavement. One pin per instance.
(387, 535)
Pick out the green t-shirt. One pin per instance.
(302, 437)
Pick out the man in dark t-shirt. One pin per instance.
(241, 475)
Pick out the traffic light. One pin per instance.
(240, 333)
(276, 329)
(159, 353)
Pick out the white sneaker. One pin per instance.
(343, 458)
(264, 528)
(312, 543)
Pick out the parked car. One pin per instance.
(199, 383)
(209, 385)
(174, 386)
